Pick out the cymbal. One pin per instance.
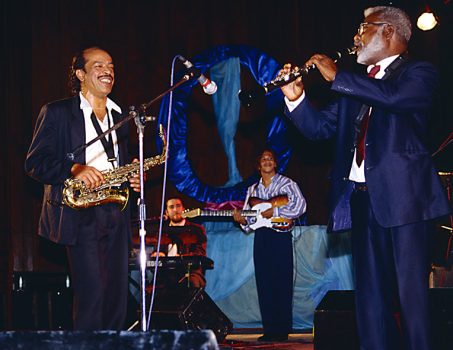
(172, 234)
(152, 225)
(151, 239)
(184, 234)
(186, 238)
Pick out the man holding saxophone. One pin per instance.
(97, 237)
(383, 180)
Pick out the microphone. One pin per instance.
(209, 87)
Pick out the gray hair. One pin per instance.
(396, 17)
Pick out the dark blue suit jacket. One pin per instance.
(402, 183)
(60, 128)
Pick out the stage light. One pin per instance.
(427, 20)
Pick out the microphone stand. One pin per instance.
(140, 122)
(164, 186)
(142, 215)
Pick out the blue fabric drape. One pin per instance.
(232, 250)
(226, 109)
(322, 262)
(263, 68)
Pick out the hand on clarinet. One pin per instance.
(294, 89)
(325, 65)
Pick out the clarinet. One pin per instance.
(246, 97)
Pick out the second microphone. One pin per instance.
(209, 87)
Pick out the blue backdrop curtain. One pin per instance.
(322, 262)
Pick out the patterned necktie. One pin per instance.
(360, 154)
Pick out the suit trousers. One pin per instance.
(99, 269)
(273, 259)
(391, 267)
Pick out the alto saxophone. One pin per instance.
(77, 196)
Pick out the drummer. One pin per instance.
(188, 242)
(179, 238)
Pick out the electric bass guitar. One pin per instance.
(257, 220)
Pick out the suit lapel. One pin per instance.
(122, 138)
(395, 65)
(389, 71)
(77, 129)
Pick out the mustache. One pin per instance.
(106, 76)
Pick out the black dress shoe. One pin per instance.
(264, 337)
(280, 337)
(273, 337)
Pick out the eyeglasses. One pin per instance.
(363, 25)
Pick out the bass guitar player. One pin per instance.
(273, 249)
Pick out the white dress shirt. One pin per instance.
(95, 154)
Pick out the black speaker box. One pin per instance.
(41, 301)
(335, 324)
(107, 340)
(188, 308)
(441, 303)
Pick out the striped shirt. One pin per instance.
(280, 185)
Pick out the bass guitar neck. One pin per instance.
(256, 219)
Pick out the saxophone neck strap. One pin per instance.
(107, 143)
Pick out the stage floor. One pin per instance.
(244, 339)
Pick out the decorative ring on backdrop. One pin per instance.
(263, 68)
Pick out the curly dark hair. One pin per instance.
(78, 62)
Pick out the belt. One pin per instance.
(360, 186)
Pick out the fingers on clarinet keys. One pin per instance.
(285, 70)
(287, 67)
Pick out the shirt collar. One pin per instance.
(383, 63)
(272, 178)
(84, 104)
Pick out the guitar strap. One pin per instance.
(251, 192)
